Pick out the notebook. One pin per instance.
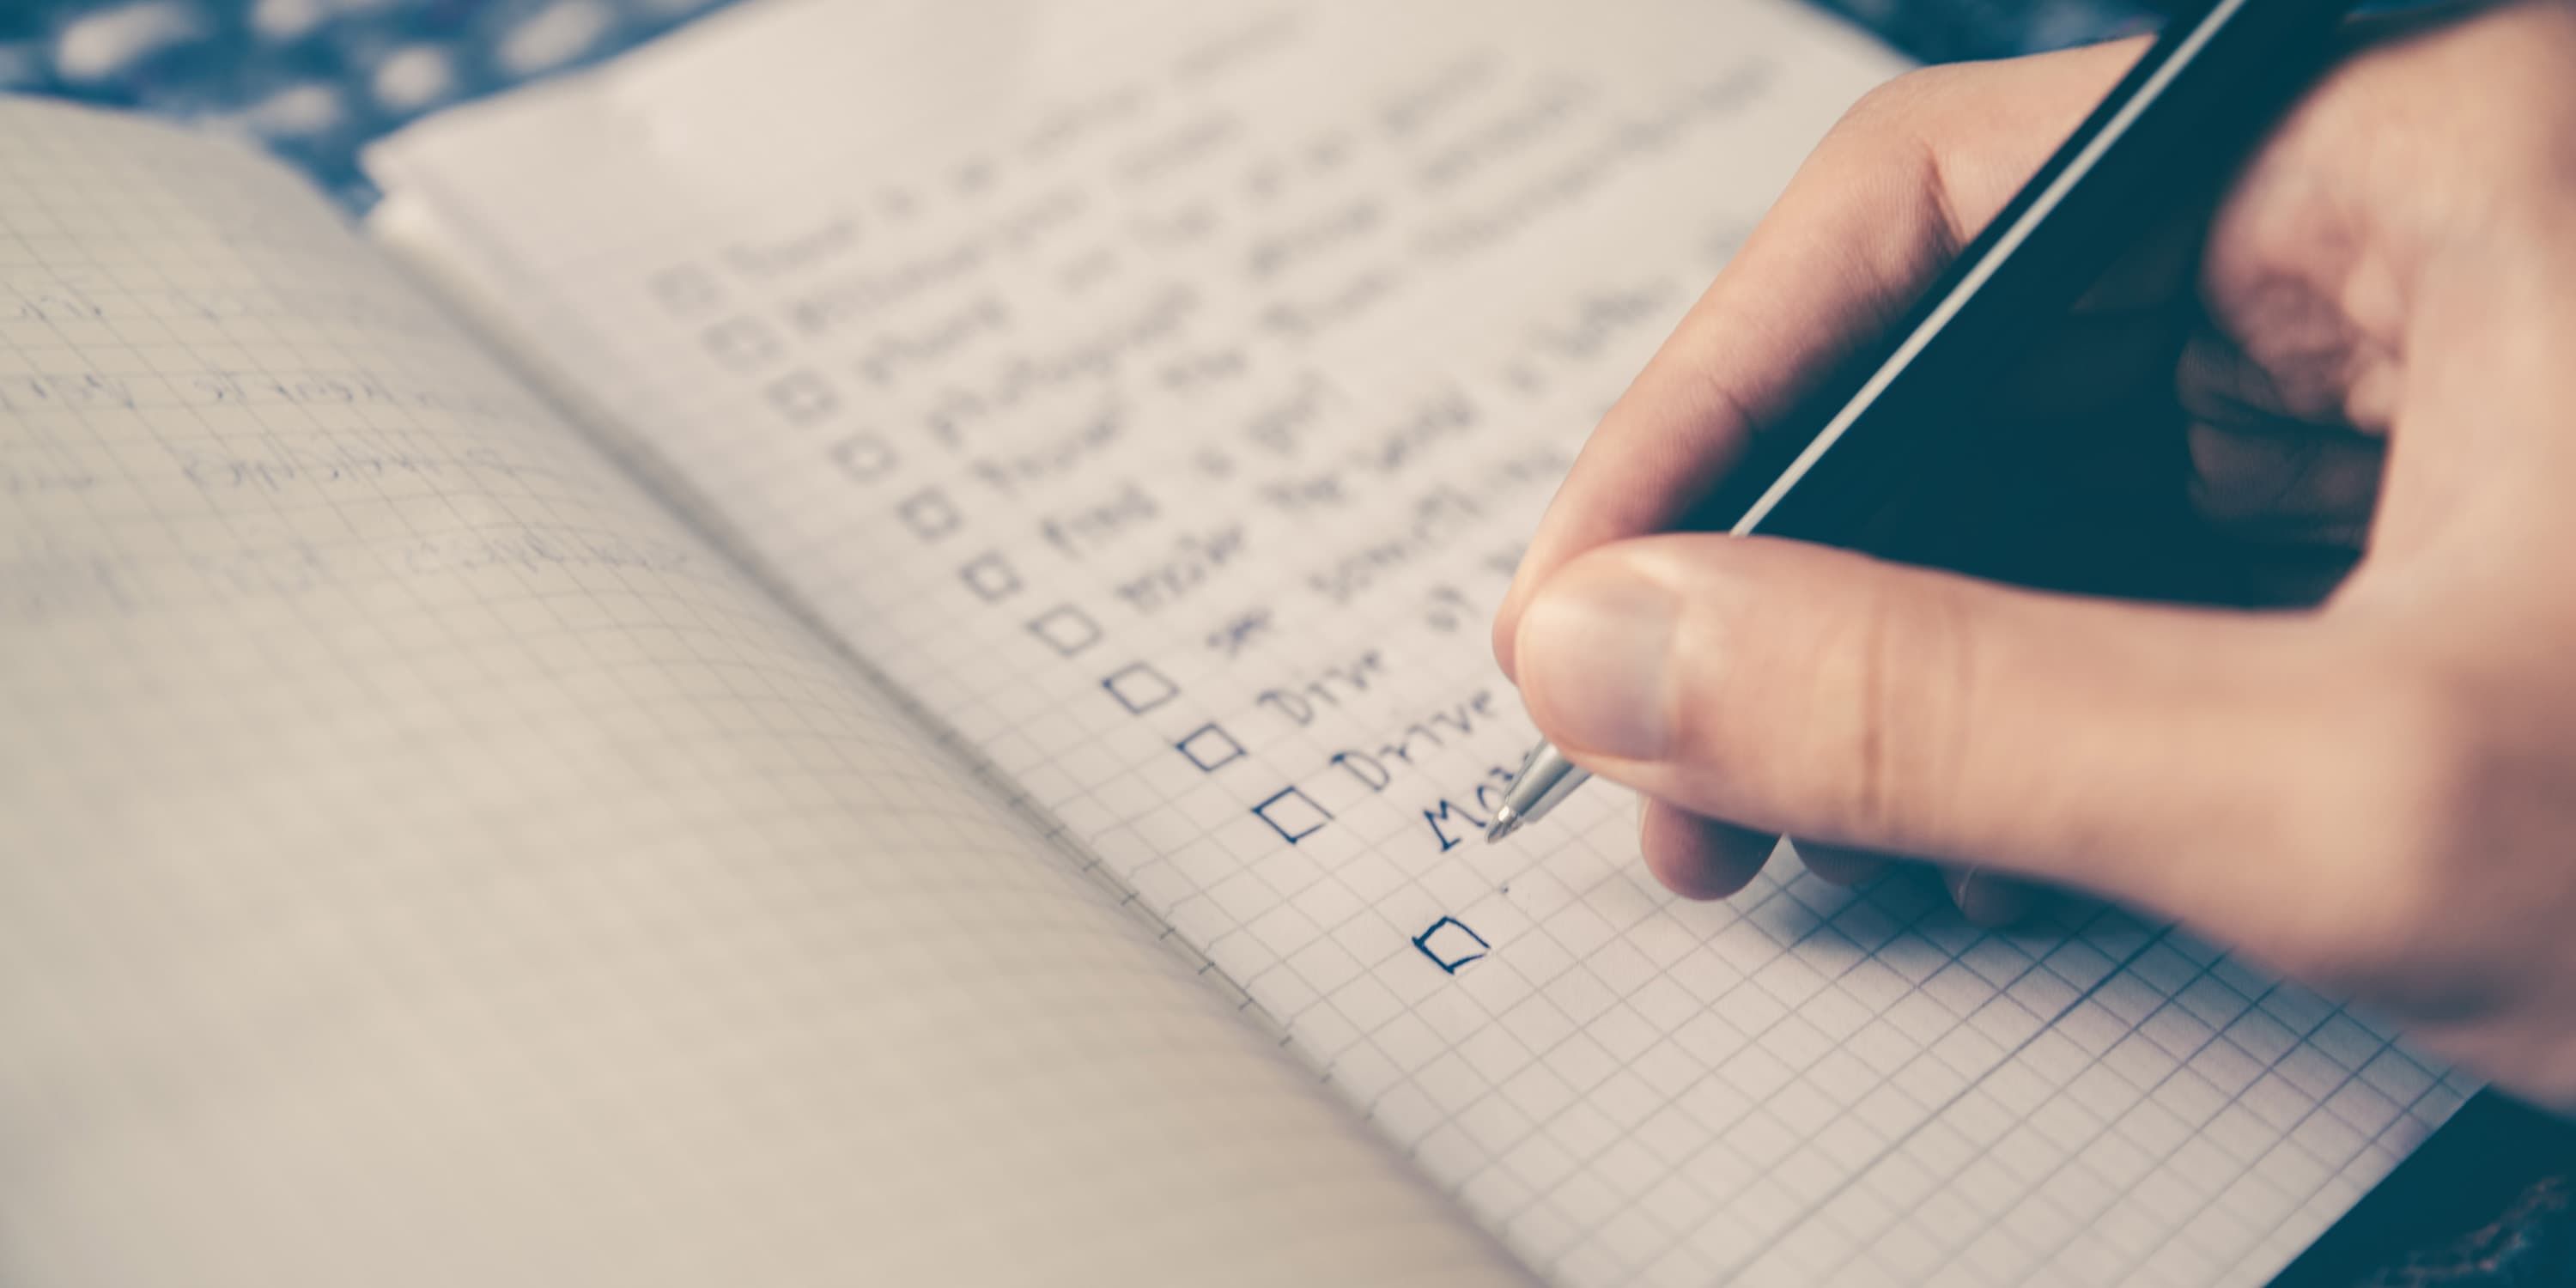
(851, 649)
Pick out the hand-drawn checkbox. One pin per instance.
(802, 397)
(687, 289)
(1139, 688)
(1069, 629)
(991, 577)
(1292, 815)
(1209, 746)
(864, 457)
(929, 514)
(1452, 949)
(741, 344)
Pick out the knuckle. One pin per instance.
(1885, 158)
(1888, 689)
(1883, 138)
(1896, 104)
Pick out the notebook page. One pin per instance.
(1159, 395)
(423, 862)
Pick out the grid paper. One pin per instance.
(1159, 400)
(423, 862)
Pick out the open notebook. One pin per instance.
(853, 652)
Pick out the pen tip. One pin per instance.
(1506, 821)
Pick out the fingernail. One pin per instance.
(1592, 650)
(1988, 900)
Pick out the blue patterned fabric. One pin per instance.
(316, 79)
(313, 79)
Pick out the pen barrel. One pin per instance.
(2171, 133)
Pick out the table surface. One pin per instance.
(2490, 1204)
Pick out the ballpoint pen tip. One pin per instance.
(1506, 821)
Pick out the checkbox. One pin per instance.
(1210, 747)
(1292, 815)
(686, 290)
(1069, 629)
(991, 578)
(1450, 944)
(1140, 688)
(929, 514)
(864, 457)
(802, 397)
(741, 344)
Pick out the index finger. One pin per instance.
(1885, 201)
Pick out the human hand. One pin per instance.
(2368, 352)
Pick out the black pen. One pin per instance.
(2180, 119)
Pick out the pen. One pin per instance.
(2203, 90)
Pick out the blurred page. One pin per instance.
(424, 861)
(1158, 394)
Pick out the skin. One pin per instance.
(2266, 626)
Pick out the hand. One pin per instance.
(2366, 353)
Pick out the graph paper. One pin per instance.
(1158, 398)
(423, 861)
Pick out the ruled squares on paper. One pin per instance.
(1194, 378)
(423, 860)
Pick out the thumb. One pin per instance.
(1793, 689)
